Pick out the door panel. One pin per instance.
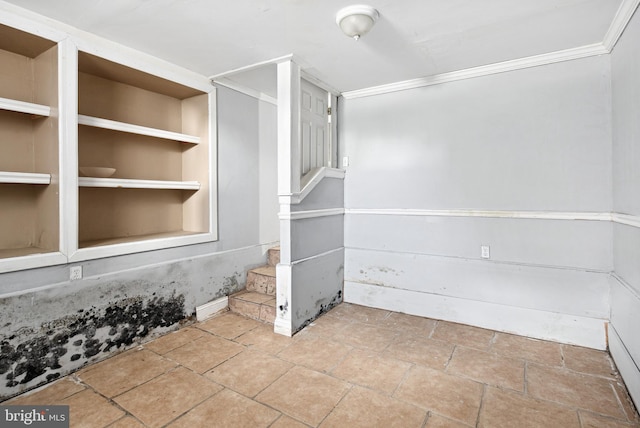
(315, 127)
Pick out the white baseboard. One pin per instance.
(563, 328)
(210, 309)
(626, 366)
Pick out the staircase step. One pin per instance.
(262, 280)
(259, 306)
(273, 256)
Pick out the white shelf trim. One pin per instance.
(24, 107)
(137, 184)
(24, 178)
(136, 129)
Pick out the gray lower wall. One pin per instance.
(51, 326)
(536, 140)
(625, 292)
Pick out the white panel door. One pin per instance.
(314, 121)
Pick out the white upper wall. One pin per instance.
(534, 139)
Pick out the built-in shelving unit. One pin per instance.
(155, 133)
(71, 103)
(29, 161)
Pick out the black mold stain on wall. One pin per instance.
(324, 308)
(75, 339)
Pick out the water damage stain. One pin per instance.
(76, 339)
(323, 308)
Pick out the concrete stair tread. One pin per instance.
(253, 296)
(265, 270)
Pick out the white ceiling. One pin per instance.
(412, 39)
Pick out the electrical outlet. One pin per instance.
(485, 252)
(75, 273)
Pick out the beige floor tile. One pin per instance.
(366, 336)
(364, 314)
(249, 372)
(174, 340)
(228, 409)
(511, 409)
(49, 394)
(588, 361)
(205, 353)
(408, 324)
(372, 370)
(286, 422)
(163, 399)
(365, 408)
(116, 375)
(562, 386)
(591, 420)
(228, 325)
(304, 394)
(324, 326)
(316, 353)
(488, 368)
(537, 351)
(423, 351)
(262, 338)
(460, 334)
(448, 395)
(437, 421)
(88, 409)
(127, 422)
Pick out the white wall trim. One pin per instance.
(546, 215)
(485, 70)
(626, 219)
(619, 23)
(629, 220)
(317, 256)
(208, 310)
(299, 215)
(311, 183)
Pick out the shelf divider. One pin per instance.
(24, 107)
(137, 184)
(136, 129)
(24, 178)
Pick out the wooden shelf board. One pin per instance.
(24, 107)
(137, 238)
(24, 178)
(137, 184)
(21, 252)
(136, 129)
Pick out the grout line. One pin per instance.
(526, 378)
(433, 329)
(484, 393)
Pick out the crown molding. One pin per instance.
(623, 16)
(485, 70)
(620, 21)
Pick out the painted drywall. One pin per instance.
(311, 283)
(52, 326)
(625, 293)
(533, 140)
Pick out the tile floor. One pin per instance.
(353, 367)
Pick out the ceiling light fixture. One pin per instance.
(356, 21)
